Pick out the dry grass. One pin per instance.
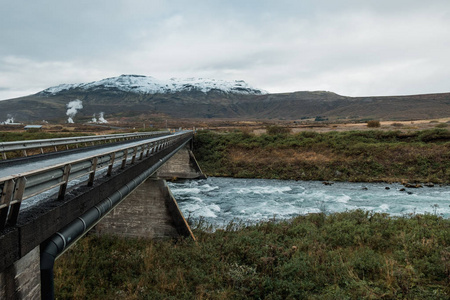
(266, 156)
(355, 156)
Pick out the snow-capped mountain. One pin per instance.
(149, 85)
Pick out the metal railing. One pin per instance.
(16, 188)
(46, 143)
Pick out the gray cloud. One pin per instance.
(350, 47)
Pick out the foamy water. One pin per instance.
(220, 200)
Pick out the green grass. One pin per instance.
(351, 255)
(422, 156)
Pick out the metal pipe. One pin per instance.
(63, 239)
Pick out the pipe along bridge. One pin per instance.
(50, 200)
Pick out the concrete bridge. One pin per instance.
(115, 188)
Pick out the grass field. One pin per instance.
(366, 156)
(351, 255)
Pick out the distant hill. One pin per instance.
(129, 95)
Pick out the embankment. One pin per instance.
(356, 156)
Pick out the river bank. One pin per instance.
(350, 255)
(353, 156)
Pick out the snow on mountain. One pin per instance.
(149, 85)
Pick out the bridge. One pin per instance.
(112, 184)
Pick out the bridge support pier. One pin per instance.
(150, 211)
(22, 280)
(182, 165)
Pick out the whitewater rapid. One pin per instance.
(221, 200)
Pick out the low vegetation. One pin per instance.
(373, 123)
(375, 155)
(351, 255)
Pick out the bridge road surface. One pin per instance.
(32, 163)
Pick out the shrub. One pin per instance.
(434, 135)
(275, 129)
(441, 125)
(246, 132)
(373, 123)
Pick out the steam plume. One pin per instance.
(10, 120)
(101, 119)
(72, 109)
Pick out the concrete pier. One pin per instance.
(182, 165)
(150, 211)
(22, 280)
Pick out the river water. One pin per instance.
(221, 200)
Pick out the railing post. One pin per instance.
(134, 155)
(17, 198)
(4, 156)
(110, 167)
(124, 160)
(93, 169)
(5, 200)
(65, 178)
(25, 153)
(141, 156)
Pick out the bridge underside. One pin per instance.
(150, 211)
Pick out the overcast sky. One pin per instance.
(351, 47)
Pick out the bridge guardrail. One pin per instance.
(16, 188)
(45, 143)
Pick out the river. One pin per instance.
(221, 200)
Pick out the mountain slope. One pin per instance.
(129, 95)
